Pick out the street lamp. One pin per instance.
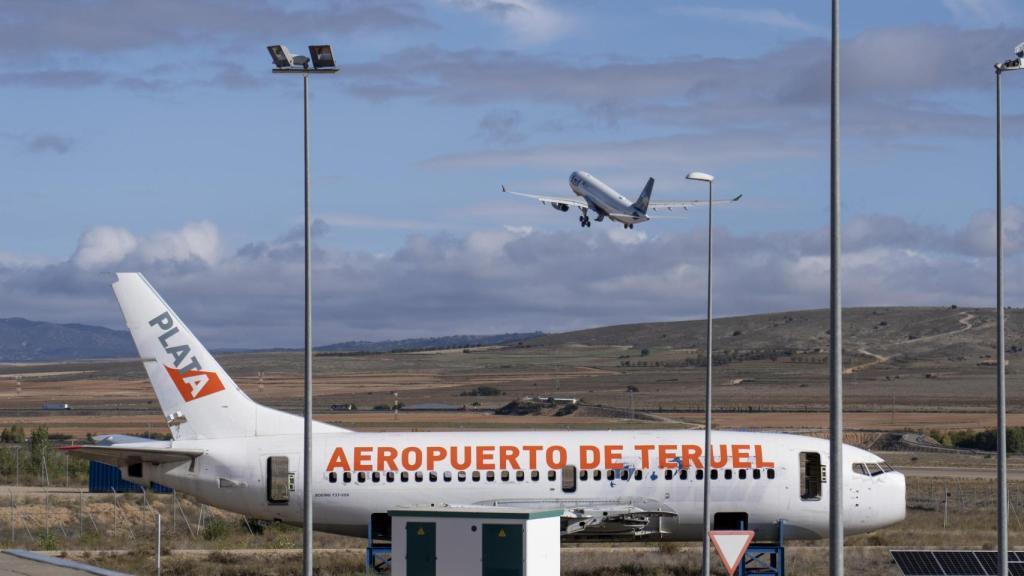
(706, 553)
(323, 63)
(1002, 514)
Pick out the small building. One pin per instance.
(475, 540)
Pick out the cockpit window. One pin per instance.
(871, 468)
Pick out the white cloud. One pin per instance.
(982, 12)
(195, 240)
(530, 21)
(103, 246)
(758, 16)
(512, 278)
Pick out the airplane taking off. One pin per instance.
(592, 194)
(230, 452)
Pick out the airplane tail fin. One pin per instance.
(198, 398)
(645, 197)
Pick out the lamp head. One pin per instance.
(281, 56)
(321, 56)
(701, 176)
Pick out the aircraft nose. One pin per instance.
(892, 506)
(574, 176)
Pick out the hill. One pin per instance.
(952, 333)
(24, 340)
(435, 343)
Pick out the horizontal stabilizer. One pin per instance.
(124, 455)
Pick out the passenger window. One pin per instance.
(447, 476)
(361, 477)
(432, 475)
(462, 475)
(728, 474)
(638, 475)
(551, 475)
(700, 474)
(682, 474)
(584, 474)
(419, 476)
(534, 475)
(569, 478)
(810, 476)
(375, 476)
(597, 474)
(668, 474)
(757, 473)
(390, 476)
(520, 475)
(490, 475)
(346, 477)
(743, 474)
(611, 474)
(771, 473)
(504, 476)
(405, 476)
(332, 477)
(714, 474)
(476, 475)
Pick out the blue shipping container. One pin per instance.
(106, 478)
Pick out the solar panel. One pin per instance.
(917, 563)
(960, 563)
(954, 562)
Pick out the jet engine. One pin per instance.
(560, 207)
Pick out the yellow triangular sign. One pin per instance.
(501, 533)
(420, 532)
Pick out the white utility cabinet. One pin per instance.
(475, 540)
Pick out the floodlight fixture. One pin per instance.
(322, 56)
(281, 56)
(703, 177)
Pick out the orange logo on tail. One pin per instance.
(195, 384)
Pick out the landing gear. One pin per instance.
(585, 221)
(627, 226)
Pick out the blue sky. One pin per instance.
(152, 136)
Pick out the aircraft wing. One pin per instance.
(553, 200)
(684, 204)
(120, 455)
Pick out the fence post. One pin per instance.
(158, 526)
(81, 516)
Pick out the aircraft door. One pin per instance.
(812, 476)
(569, 478)
(280, 482)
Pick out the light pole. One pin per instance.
(706, 552)
(835, 491)
(1002, 516)
(323, 63)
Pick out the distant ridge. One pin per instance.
(435, 343)
(24, 340)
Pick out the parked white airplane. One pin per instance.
(230, 452)
(592, 194)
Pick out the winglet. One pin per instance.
(503, 188)
(737, 199)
